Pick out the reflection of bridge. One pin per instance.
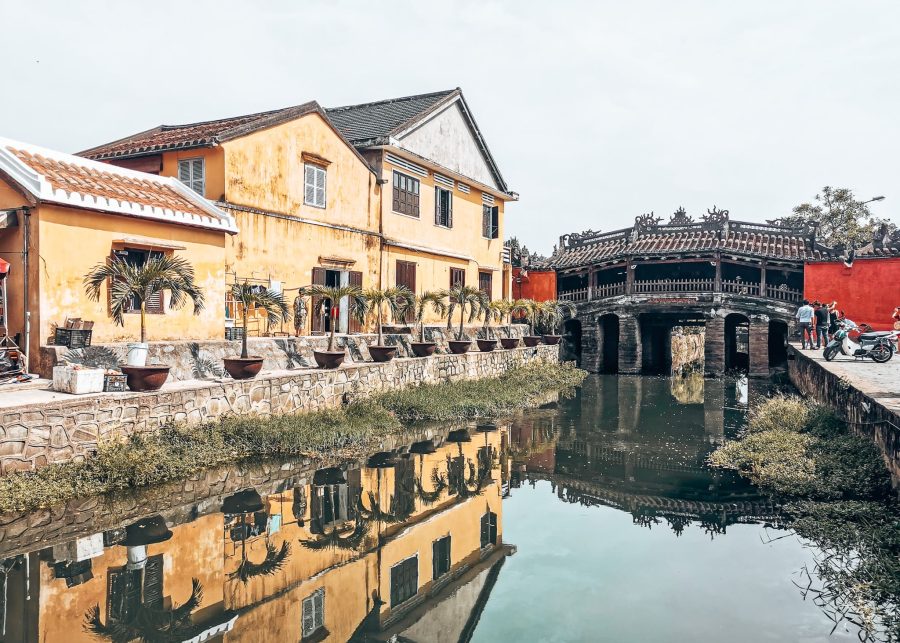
(736, 279)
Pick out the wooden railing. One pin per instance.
(730, 286)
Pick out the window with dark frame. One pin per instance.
(314, 185)
(486, 283)
(457, 277)
(488, 529)
(490, 221)
(443, 207)
(440, 557)
(192, 172)
(128, 589)
(313, 613)
(406, 194)
(404, 580)
(135, 257)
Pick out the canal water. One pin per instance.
(591, 519)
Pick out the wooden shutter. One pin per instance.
(485, 283)
(318, 321)
(356, 279)
(320, 186)
(184, 172)
(457, 277)
(153, 583)
(486, 222)
(406, 276)
(495, 222)
(309, 185)
(198, 181)
(437, 206)
(309, 616)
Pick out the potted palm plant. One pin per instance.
(490, 311)
(530, 308)
(131, 286)
(463, 298)
(552, 313)
(398, 300)
(507, 310)
(435, 300)
(356, 308)
(276, 309)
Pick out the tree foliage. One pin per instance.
(841, 218)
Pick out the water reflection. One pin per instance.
(405, 542)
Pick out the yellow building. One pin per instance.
(398, 547)
(444, 197)
(63, 214)
(303, 198)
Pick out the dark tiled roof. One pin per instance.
(370, 123)
(733, 237)
(175, 137)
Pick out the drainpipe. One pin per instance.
(26, 230)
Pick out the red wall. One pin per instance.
(867, 292)
(539, 285)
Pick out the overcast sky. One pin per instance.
(595, 111)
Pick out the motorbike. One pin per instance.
(879, 345)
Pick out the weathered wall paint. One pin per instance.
(539, 285)
(214, 161)
(867, 292)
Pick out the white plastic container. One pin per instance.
(137, 354)
(77, 381)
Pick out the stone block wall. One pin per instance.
(32, 436)
(192, 360)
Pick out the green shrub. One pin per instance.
(782, 412)
(777, 459)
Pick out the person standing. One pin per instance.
(804, 318)
(820, 315)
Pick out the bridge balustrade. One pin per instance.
(674, 286)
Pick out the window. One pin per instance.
(485, 283)
(406, 194)
(490, 221)
(443, 207)
(192, 172)
(127, 589)
(314, 185)
(313, 612)
(457, 277)
(154, 305)
(488, 529)
(404, 580)
(440, 557)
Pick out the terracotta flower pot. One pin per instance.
(328, 359)
(145, 378)
(423, 349)
(382, 353)
(243, 368)
(532, 340)
(551, 340)
(486, 345)
(509, 342)
(459, 347)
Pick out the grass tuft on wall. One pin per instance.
(176, 451)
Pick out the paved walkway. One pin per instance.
(881, 382)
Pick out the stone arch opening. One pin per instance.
(571, 349)
(778, 341)
(609, 343)
(737, 342)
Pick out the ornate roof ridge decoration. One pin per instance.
(646, 223)
(680, 217)
(715, 216)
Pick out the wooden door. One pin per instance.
(406, 276)
(355, 279)
(318, 319)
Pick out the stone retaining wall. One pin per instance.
(64, 430)
(865, 415)
(191, 360)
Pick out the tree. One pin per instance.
(133, 285)
(491, 311)
(356, 304)
(270, 302)
(429, 299)
(554, 311)
(842, 219)
(398, 299)
(464, 297)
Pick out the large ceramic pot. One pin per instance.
(243, 368)
(382, 353)
(531, 340)
(486, 345)
(328, 359)
(423, 349)
(509, 342)
(145, 378)
(552, 340)
(459, 347)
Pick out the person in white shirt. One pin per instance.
(804, 319)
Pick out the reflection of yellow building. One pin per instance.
(76, 213)
(370, 549)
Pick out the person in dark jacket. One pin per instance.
(821, 320)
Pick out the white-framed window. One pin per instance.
(313, 613)
(192, 172)
(443, 207)
(314, 185)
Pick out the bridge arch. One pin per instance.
(737, 342)
(778, 341)
(572, 340)
(609, 343)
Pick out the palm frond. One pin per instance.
(334, 540)
(272, 563)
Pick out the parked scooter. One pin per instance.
(879, 345)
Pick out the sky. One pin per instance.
(596, 112)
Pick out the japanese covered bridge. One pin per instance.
(741, 281)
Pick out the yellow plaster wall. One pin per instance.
(72, 241)
(214, 158)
